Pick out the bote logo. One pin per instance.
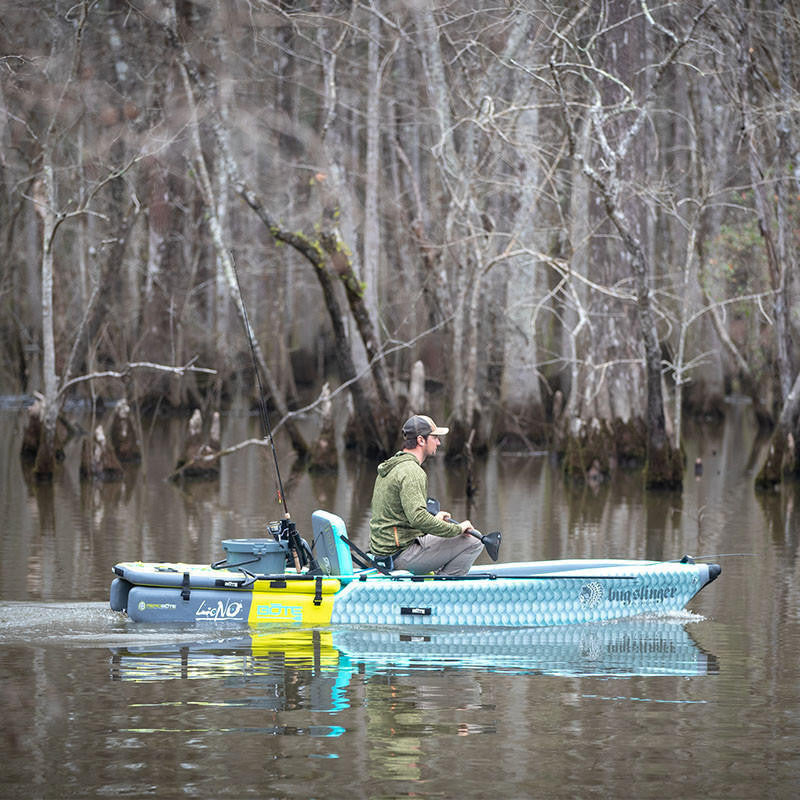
(275, 612)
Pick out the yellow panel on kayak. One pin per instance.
(298, 602)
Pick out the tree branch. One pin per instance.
(132, 365)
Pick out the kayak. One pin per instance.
(253, 587)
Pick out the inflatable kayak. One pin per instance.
(253, 586)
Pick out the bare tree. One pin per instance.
(579, 217)
(616, 121)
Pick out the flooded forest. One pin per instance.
(552, 225)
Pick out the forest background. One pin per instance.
(573, 222)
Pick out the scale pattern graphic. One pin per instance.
(517, 601)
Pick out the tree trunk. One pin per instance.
(98, 459)
(373, 427)
(522, 416)
(225, 259)
(783, 454)
(664, 464)
(615, 136)
(355, 293)
(372, 173)
(45, 199)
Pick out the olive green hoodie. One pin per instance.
(399, 510)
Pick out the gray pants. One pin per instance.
(444, 556)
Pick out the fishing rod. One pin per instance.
(262, 403)
(300, 554)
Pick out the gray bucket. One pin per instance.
(265, 556)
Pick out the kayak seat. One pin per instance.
(332, 554)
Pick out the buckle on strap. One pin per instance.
(387, 562)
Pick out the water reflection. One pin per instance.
(96, 705)
(314, 667)
(279, 664)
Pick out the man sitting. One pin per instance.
(401, 526)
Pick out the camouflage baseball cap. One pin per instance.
(420, 425)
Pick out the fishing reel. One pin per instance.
(298, 553)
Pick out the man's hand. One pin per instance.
(466, 525)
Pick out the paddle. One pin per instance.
(491, 541)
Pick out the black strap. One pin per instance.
(185, 592)
(364, 557)
(318, 591)
(359, 563)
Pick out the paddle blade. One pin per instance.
(491, 541)
(433, 506)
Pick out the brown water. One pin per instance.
(702, 705)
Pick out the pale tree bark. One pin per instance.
(787, 239)
(696, 358)
(222, 191)
(452, 274)
(45, 200)
(432, 302)
(525, 287)
(225, 259)
(770, 153)
(709, 162)
(338, 228)
(158, 206)
(372, 242)
(339, 206)
(597, 429)
(55, 387)
(572, 293)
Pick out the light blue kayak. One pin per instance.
(515, 594)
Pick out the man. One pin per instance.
(403, 533)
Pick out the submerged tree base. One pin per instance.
(523, 429)
(598, 448)
(98, 460)
(664, 468)
(783, 461)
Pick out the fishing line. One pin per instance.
(262, 402)
(713, 555)
(724, 555)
